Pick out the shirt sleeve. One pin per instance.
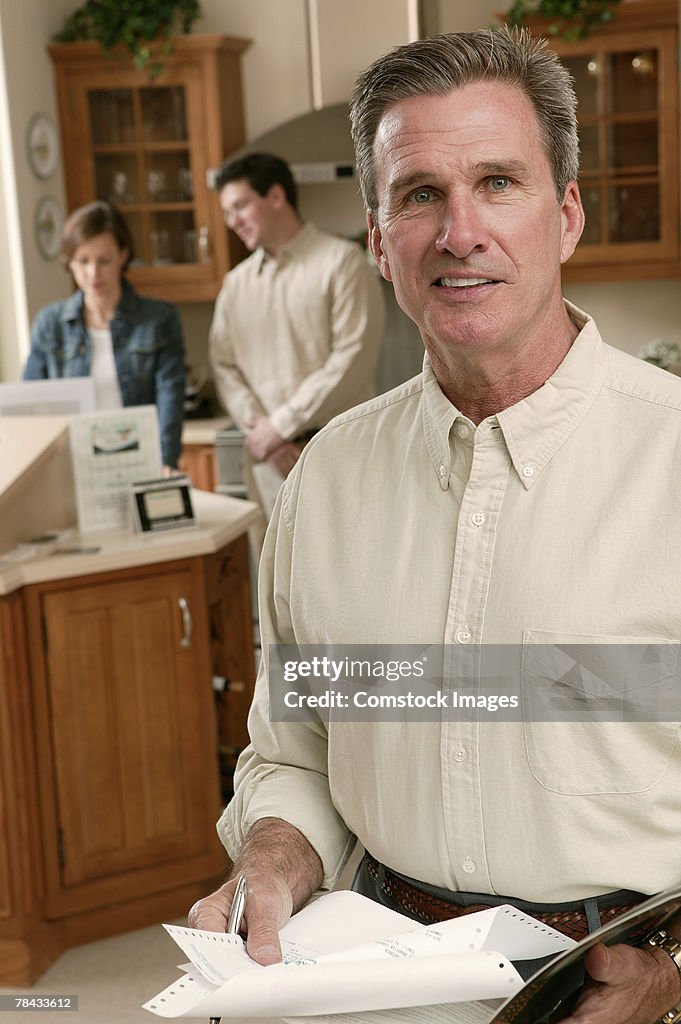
(36, 364)
(283, 773)
(233, 389)
(356, 329)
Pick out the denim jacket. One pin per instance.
(148, 351)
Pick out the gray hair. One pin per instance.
(436, 66)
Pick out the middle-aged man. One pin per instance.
(297, 326)
(524, 488)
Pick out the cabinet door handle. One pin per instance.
(187, 623)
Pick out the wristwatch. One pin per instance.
(663, 940)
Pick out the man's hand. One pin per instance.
(269, 904)
(262, 438)
(284, 458)
(627, 986)
(282, 871)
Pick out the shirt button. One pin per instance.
(462, 431)
(463, 636)
(459, 753)
(468, 866)
(442, 471)
(477, 519)
(528, 471)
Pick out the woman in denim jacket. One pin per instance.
(131, 345)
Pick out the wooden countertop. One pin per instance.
(221, 519)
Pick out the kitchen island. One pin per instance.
(109, 734)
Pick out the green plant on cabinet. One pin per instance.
(134, 24)
(570, 19)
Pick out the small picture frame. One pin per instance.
(42, 145)
(163, 504)
(48, 224)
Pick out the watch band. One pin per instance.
(661, 939)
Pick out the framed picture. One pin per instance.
(42, 145)
(112, 449)
(48, 223)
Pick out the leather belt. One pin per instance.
(429, 909)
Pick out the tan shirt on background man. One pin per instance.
(297, 337)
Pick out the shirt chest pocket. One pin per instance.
(601, 713)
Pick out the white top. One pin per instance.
(554, 522)
(103, 369)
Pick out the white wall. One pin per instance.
(630, 314)
(25, 28)
(461, 15)
(275, 67)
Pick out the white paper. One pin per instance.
(443, 1013)
(111, 450)
(346, 954)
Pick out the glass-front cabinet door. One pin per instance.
(143, 161)
(148, 147)
(626, 79)
(629, 196)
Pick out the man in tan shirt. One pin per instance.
(521, 491)
(297, 326)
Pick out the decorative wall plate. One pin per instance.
(48, 221)
(43, 146)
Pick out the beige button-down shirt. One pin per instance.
(555, 521)
(297, 337)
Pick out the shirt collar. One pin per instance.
(536, 427)
(72, 308)
(294, 245)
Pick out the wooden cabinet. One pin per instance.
(110, 748)
(26, 948)
(149, 147)
(626, 78)
(230, 612)
(128, 740)
(199, 461)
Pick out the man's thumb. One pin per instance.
(600, 962)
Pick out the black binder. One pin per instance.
(550, 995)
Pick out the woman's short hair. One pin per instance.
(98, 218)
(437, 66)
